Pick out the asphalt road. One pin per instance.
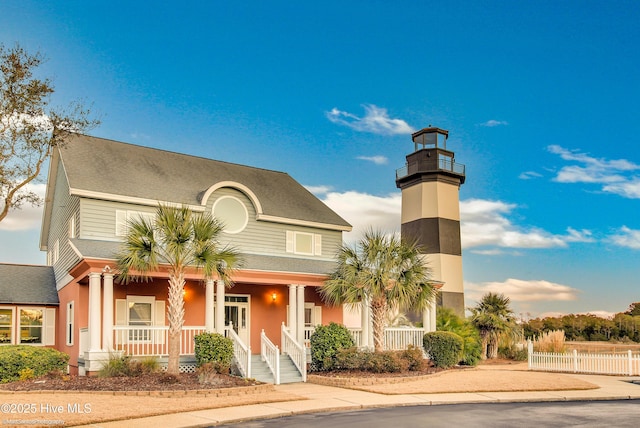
(624, 413)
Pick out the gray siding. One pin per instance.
(98, 222)
(64, 207)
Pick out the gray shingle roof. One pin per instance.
(106, 166)
(27, 284)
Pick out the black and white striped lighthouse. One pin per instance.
(430, 183)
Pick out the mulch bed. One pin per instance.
(147, 382)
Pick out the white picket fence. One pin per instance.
(624, 364)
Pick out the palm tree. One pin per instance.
(493, 317)
(384, 271)
(178, 239)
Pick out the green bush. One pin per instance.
(214, 349)
(125, 366)
(414, 358)
(18, 361)
(326, 341)
(444, 348)
(447, 320)
(380, 362)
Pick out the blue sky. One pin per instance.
(541, 100)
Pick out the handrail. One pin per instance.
(241, 352)
(152, 340)
(296, 351)
(271, 355)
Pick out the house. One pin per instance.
(28, 305)
(287, 237)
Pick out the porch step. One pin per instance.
(288, 371)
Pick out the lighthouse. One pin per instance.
(430, 182)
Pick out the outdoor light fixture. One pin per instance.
(274, 296)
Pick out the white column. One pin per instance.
(107, 310)
(426, 319)
(432, 314)
(94, 311)
(293, 313)
(220, 306)
(300, 312)
(208, 307)
(364, 323)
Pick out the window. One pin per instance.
(6, 325)
(124, 217)
(232, 213)
(312, 315)
(140, 312)
(304, 243)
(140, 315)
(31, 322)
(70, 317)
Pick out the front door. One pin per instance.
(236, 311)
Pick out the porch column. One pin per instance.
(300, 312)
(364, 323)
(107, 310)
(208, 307)
(432, 315)
(219, 307)
(293, 313)
(94, 311)
(426, 320)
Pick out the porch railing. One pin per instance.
(398, 338)
(271, 355)
(296, 351)
(152, 340)
(241, 352)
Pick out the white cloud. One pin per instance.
(616, 176)
(318, 190)
(493, 123)
(519, 290)
(378, 160)
(27, 217)
(484, 223)
(366, 211)
(376, 120)
(627, 237)
(528, 175)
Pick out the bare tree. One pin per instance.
(30, 129)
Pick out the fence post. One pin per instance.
(575, 361)
(529, 352)
(630, 360)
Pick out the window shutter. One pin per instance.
(121, 223)
(289, 241)
(317, 315)
(49, 330)
(158, 320)
(317, 244)
(121, 312)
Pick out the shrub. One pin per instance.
(444, 348)
(125, 366)
(550, 341)
(214, 349)
(18, 361)
(379, 362)
(447, 320)
(414, 358)
(326, 341)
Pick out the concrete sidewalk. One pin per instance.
(326, 398)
